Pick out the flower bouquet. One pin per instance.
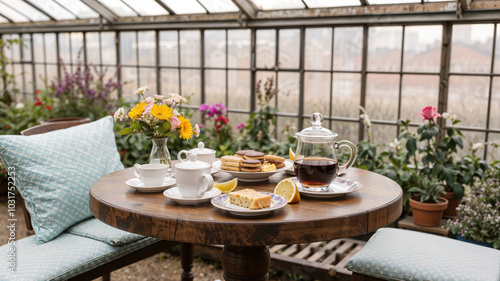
(156, 118)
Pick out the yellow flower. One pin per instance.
(162, 112)
(186, 129)
(137, 111)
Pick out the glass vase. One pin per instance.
(160, 154)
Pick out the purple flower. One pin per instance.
(204, 107)
(201, 126)
(240, 126)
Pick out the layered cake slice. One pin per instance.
(249, 198)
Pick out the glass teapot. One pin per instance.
(315, 162)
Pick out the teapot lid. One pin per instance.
(316, 133)
(192, 164)
(201, 150)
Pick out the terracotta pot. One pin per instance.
(76, 120)
(428, 214)
(453, 203)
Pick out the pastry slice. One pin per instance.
(249, 198)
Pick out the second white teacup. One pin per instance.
(151, 174)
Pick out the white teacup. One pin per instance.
(151, 174)
(193, 177)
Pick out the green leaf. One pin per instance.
(458, 140)
(436, 170)
(411, 145)
(136, 125)
(126, 131)
(449, 176)
(404, 175)
(164, 127)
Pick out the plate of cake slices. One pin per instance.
(249, 203)
(253, 167)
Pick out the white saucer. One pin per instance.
(252, 177)
(139, 186)
(174, 194)
(340, 186)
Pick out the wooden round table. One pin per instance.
(245, 255)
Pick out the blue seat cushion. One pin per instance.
(97, 230)
(55, 170)
(397, 254)
(64, 257)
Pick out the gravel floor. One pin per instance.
(163, 266)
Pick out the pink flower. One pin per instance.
(175, 122)
(240, 126)
(429, 113)
(201, 126)
(196, 130)
(147, 109)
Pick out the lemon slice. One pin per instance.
(288, 189)
(267, 167)
(291, 154)
(228, 186)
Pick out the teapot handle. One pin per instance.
(179, 155)
(207, 184)
(352, 158)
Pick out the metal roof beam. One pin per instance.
(246, 7)
(164, 6)
(108, 15)
(465, 4)
(365, 2)
(40, 10)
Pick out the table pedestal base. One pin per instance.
(246, 263)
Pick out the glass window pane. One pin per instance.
(383, 134)
(168, 48)
(318, 48)
(492, 152)
(15, 51)
(12, 14)
(471, 48)
(346, 94)
(288, 95)
(219, 6)
(215, 86)
(348, 47)
(384, 48)
(238, 42)
(128, 47)
(468, 99)
(51, 73)
(497, 51)
(50, 47)
(185, 6)
(495, 104)
(287, 126)
(317, 93)
(108, 48)
(64, 48)
(2, 19)
(26, 50)
(27, 10)
(382, 96)
(422, 48)
(190, 48)
(289, 53)
(110, 73)
(346, 130)
(28, 78)
(147, 48)
(93, 48)
(266, 48)
(129, 77)
(382, 2)
(119, 8)
(147, 78)
(146, 7)
(53, 9)
(169, 81)
(39, 51)
(190, 85)
(418, 91)
(330, 3)
(278, 4)
(238, 89)
(78, 8)
(215, 48)
(262, 77)
(470, 139)
(18, 75)
(40, 76)
(76, 47)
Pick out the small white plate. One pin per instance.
(222, 202)
(255, 176)
(174, 194)
(340, 186)
(214, 171)
(139, 186)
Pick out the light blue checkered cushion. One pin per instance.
(55, 170)
(396, 254)
(95, 229)
(64, 257)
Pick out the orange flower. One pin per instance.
(137, 111)
(162, 112)
(185, 128)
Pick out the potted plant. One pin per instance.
(478, 219)
(427, 204)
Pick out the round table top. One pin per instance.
(376, 205)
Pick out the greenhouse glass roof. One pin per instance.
(51, 14)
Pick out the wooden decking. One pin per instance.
(319, 260)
